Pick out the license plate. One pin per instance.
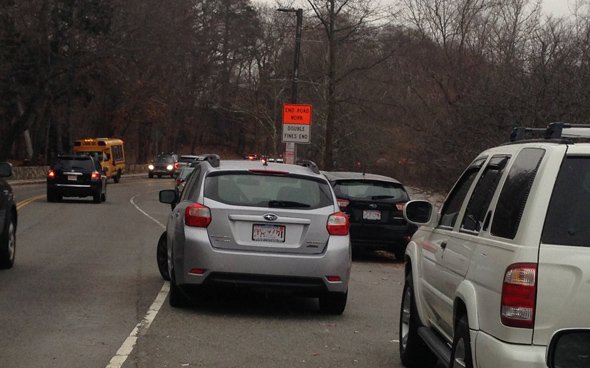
(268, 233)
(371, 215)
(72, 178)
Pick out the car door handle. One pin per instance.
(443, 245)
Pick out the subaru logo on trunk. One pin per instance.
(270, 217)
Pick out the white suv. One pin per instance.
(506, 261)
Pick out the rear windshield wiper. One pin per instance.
(286, 204)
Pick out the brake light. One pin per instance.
(197, 215)
(95, 176)
(342, 203)
(400, 206)
(51, 174)
(176, 165)
(338, 224)
(519, 293)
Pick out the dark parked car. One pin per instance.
(375, 206)
(76, 176)
(164, 164)
(8, 219)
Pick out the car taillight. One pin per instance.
(519, 295)
(176, 165)
(95, 175)
(51, 174)
(342, 203)
(400, 206)
(197, 215)
(338, 224)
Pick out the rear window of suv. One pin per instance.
(372, 190)
(84, 163)
(567, 221)
(274, 191)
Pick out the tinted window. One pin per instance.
(482, 194)
(365, 189)
(452, 206)
(285, 191)
(515, 192)
(191, 188)
(75, 164)
(567, 220)
(165, 160)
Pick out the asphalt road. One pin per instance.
(85, 292)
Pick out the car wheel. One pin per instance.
(333, 303)
(51, 197)
(399, 251)
(150, 175)
(103, 197)
(117, 177)
(461, 352)
(413, 350)
(97, 196)
(162, 256)
(8, 244)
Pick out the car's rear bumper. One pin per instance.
(305, 274)
(491, 353)
(74, 190)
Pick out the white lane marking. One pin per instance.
(142, 326)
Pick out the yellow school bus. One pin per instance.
(109, 151)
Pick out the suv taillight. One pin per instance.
(342, 203)
(95, 176)
(338, 224)
(519, 292)
(400, 206)
(197, 215)
(51, 174)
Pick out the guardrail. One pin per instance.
(32, 173)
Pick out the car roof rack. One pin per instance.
(556, 130)
(211, 158)
(310, 165)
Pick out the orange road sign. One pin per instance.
(296, 114)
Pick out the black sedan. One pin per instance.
(8, 219)
(374, 204)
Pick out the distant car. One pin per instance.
(260, 226)
(76, 176)
(8, 219)
(164, 164)
(375, 205)
(252, 157)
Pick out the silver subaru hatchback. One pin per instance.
(258, 225)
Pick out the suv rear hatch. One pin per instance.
(73, 170)
(563, 281)
(266, 212)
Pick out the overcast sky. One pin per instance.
(553, 7)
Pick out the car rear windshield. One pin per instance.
(370, 190)
(165, 160)
(274, 191)
(83, 163)
(567, 221)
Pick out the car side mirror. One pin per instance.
(569, 348)
(419, 212)
(168, 196)
(5, 169)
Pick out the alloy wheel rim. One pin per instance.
(11, 241)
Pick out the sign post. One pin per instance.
(296, 128)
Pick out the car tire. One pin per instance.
(103, 197)
(117, 177)
(51, 197)
(461, 351)
(97, 196)
(333, 303)
(8, 243)
(413, 351)
(399, 251)
(162, 256)
(150, 175)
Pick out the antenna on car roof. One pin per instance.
(310, 165)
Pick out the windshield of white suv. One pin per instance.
(567, 221)
(276, 191)
(371, 190)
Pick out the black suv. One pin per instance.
(76, 176)
(375, 206)
(7, 219)
(164, 164)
